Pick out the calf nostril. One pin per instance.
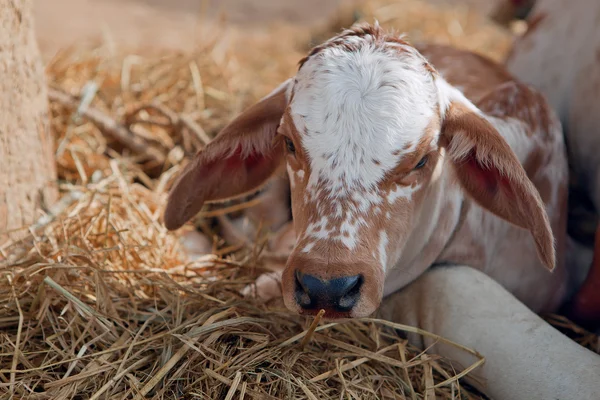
(339, 294)
(302, 292)
(350, 293)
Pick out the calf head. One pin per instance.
(364, 129)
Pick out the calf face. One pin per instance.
(364, 128)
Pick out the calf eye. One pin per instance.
(421, 163)
(290, 145)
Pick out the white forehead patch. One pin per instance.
(357, 110)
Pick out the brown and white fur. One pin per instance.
(560, 55)
(400, 159)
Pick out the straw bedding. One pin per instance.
(100, 302)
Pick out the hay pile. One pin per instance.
(99, 302)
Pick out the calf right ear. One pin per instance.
(491, 174)
(239, 160)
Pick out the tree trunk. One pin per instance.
(27, 167)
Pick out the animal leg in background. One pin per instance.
(268, 285)
(273, 212)
(584, 308)
(526, 358)
(195, 244)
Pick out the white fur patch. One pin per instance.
(294, 175)
(348, 229)
(383, 242)
(366, 200)
(448, 93)
(291, 175)
(400, 191)
(355, 109)
(308, 247)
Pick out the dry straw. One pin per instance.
(99, 302)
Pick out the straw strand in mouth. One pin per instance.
(311, 329)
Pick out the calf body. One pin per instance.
(392, 170)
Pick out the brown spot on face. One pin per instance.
(429, 68)
(409, 160)
(402, 172)
(330, 224)
(288, 128)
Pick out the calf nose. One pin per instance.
(339, 294)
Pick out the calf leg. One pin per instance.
(526, 358)
(195, 244)
(272, 212)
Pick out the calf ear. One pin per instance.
(491, 174)
(239, 160)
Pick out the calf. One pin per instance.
(392, 169)
(398, 160)
(560, 55)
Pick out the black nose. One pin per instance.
(339, 294)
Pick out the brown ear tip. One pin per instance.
(549, 259)
(546, 250)
(172, 226)
(170, 221)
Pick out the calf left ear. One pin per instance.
(491, 174)
(239, 160)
